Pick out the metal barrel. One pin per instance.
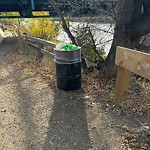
(68, 69)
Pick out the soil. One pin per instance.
(35, 115)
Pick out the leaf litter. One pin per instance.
(137, 104)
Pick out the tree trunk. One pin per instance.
(130, 26)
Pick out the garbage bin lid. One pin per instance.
(69, 47)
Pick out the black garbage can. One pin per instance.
(68, 69)
(68, 76)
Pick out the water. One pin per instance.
(103, 34)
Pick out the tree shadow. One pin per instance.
(26, 104)
(68, 128)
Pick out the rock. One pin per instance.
(3, 110)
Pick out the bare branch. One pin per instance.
(64, 25)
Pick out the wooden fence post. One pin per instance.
(122, 84)
(128, 61)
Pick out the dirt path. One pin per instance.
(34, 116)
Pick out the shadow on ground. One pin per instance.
(67, 122)
(25, 110)
(68, 128)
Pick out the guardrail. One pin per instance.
(128, 61)
(32, 39)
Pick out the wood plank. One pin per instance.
(41, 41)
(122, 84)
(134, 61)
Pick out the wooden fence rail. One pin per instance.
(128, 61)
(42, 42)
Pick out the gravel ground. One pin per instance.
(37, 116)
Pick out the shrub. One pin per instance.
(44, 28)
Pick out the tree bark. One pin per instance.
(130, 26)
(139, 28)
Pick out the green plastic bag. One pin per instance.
(70, 47)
